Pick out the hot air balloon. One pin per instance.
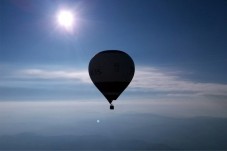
(111, 71)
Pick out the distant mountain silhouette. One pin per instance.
(33, 141)
(174, 133)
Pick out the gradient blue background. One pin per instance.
(177, 99)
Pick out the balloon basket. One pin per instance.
(111, 107)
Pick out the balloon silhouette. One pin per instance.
(111, 71)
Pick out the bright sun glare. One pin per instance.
(65, 19)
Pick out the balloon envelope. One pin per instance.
(111, 71)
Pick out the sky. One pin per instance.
(179, 51)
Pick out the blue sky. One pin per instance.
(179, 50)
(181, 44)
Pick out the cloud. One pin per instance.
(79, 75)
(147, 79)
(153, 79)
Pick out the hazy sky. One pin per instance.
(179, 50)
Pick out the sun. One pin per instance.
(65, 18)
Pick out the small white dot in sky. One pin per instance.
(98, 121)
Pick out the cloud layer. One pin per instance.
(80, 75)
(153, 79)
(146, 79)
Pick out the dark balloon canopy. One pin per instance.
(111, 71)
